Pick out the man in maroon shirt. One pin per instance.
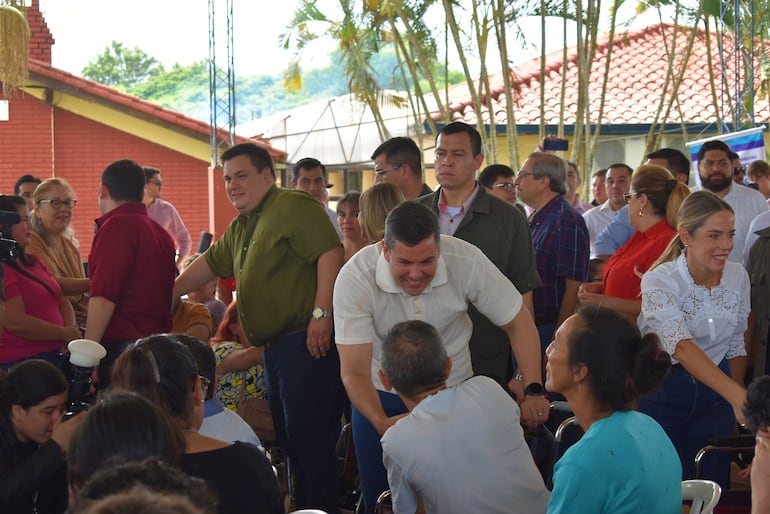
(131, 266)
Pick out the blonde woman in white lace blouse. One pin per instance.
(698, 304)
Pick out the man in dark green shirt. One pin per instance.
(285, 255)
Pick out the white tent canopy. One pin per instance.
(339, 131)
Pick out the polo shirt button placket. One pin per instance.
(417, 307)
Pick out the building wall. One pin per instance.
(48, 141)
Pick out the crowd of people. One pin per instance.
(440, 323)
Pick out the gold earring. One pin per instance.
(641, 212)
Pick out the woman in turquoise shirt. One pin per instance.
(624, 462)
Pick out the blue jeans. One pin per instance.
(371, 471)
(306, 401)
(691, 413)
(54, 358)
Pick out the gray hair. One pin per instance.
(551, 166)
(413, 357)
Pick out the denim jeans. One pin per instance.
(691, 413)
(371, 471)
(54, 358)
(306, 402)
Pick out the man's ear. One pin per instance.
(385, 250)
(448, 367)
(103, 193)
(385, 380)
(479, 160)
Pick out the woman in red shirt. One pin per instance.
(653, 202)
(39, 320)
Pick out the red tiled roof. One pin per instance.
(634, 86)
(78, 86)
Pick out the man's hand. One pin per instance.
(319, 334)
(388, 422)
(534, 411)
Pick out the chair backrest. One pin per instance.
(704, 495)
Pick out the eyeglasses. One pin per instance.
(739, 170)
(508, 186)
(382, 172)
(521, 174)
(56, 204)
(205, 383)
(627, 197)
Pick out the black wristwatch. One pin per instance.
(534, 389)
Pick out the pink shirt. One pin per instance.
(169, 218)
(38, 302)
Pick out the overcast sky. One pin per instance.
(172, 31)
(176, 31)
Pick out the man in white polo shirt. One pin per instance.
(417, 274)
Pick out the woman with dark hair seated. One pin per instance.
(149, 475)
(161, 369)
(39, 319)
(33, 475)
(624, 462)
(122, 426)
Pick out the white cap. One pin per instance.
(86, 353)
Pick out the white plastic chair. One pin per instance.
(308, 511)
(704, 495)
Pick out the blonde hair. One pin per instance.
(373, 207)
(692, 215)
(41, 190)
(664, 192)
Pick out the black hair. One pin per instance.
(124, 180)
(258, 155)
(307, 163)
(161, 369)
(401, 150)
(757, 406)
(149, 173)
(622, 364)
(12, 204)
(678, 163)
(204, 358)
(125, 425)
(27, 384)
(152, 473)
(458, 127)
(713, 145)
(489, 174)
(24, 179)
(621, 165)
(410, 223)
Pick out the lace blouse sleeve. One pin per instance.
(661, 311)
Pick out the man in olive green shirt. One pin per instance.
(285, 255)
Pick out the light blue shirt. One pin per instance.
(614, 235)
(624, 464)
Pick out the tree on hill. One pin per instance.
(122, 67)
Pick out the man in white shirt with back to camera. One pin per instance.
(429, 454)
